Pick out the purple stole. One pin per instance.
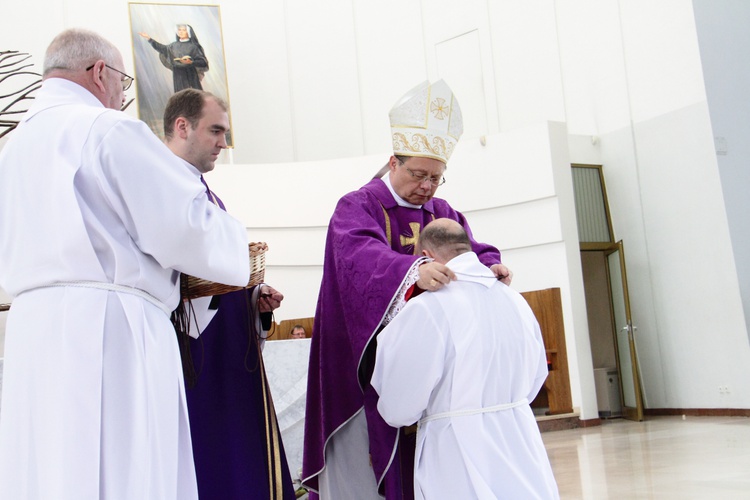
(237, 445)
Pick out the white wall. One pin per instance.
(650, 114)
(312, 85)
(722, 29)
(683, 212)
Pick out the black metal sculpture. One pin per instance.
(14, 70)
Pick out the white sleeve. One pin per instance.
(156, 195)
(540, 371)
(255, 315)
(409, 362)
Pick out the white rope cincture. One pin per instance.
(112, 287)
(475, 411)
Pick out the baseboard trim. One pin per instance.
(698, 412)
(573, 421)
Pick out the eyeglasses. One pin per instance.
(126, 82)
(420, 178)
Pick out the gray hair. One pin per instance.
(76, 49)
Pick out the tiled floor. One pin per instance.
(660, 458)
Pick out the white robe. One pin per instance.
(93, 401)
(472, 345)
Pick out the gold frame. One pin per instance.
(153, 81)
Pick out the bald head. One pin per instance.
(442, 240)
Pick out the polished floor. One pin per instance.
(659, 458)
(695, 458)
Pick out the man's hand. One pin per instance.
(269, 299)
(434, 276)
(502, 273)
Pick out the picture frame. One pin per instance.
(176, 61)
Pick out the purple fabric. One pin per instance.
(361, 275)
(226, 408)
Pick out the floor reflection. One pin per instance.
(662, 457)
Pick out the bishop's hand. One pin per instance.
(434, 276)
(502, 273)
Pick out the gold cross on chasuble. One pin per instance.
(405, 241)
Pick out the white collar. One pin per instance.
(190, 166)
(468, 268)
(400, 201)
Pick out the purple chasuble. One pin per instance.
(367, 259)
(232, 420)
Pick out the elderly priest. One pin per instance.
(97, 221)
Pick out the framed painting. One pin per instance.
(176, 47)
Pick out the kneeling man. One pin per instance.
(464, 362)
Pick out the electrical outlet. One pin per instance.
(724, 389)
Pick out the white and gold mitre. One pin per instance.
(426, 122)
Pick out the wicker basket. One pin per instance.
(192, 287)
